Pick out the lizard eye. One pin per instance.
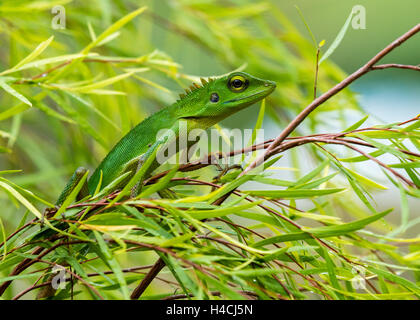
(214, 97)
(237, 83)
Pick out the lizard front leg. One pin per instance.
(71, 184)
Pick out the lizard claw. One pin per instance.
(48, 212)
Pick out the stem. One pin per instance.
(316, 71)
(395, 65)
(138, 291)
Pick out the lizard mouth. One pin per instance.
(262, 93)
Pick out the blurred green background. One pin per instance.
(382, 93)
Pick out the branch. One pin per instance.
(48, 283)
(138, 291)
(207, 160)
(345, 142)
(395, 65)
(326, 96)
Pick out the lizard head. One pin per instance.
(219, 98)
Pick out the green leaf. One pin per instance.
(180, 275)
(22, 276)
(206, 214)
(3, 233)
(360, 191)
(14, 93)
(259, 217)
(113, 263)
(385, 134)
(92, 107)
(405, 210)
(111, 186)
(316, 183)
(255, 272)
(150, 157)
(324, 232)
(120, 219)
(338, 39)
(238, 182)
(52, 113)
(114, 28)
(309, 176)
(151, 83)
(357, 124)
(26, 192)
(220, 286)
(79, 118)
(376, 153)
(293, 194)
(258, 124)
(412, 126)
(411, 165)
(274, 182)
(159, 185)
(383, 147)
(32, 56)
(307, 26)
(72, 196)
(97, 85)
(365, 180)
(43, 62)
(331, 270)
(21, 199)
(397, 279)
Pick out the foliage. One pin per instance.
(67, 98)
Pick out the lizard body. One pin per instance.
(201, 107)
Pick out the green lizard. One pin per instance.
(201, 107)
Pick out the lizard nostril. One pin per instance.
(270, 84)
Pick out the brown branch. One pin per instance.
(207, 160)
(26, 263)
(380, 163)
(295, 224)
(153, 272)
(47, 283)
(17, 231)
(19, 268)
(395, 65)
(87, 284)
(348, 144)
(316, 71)
(330, 93)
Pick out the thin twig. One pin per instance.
(395, 65)
(316, 71)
